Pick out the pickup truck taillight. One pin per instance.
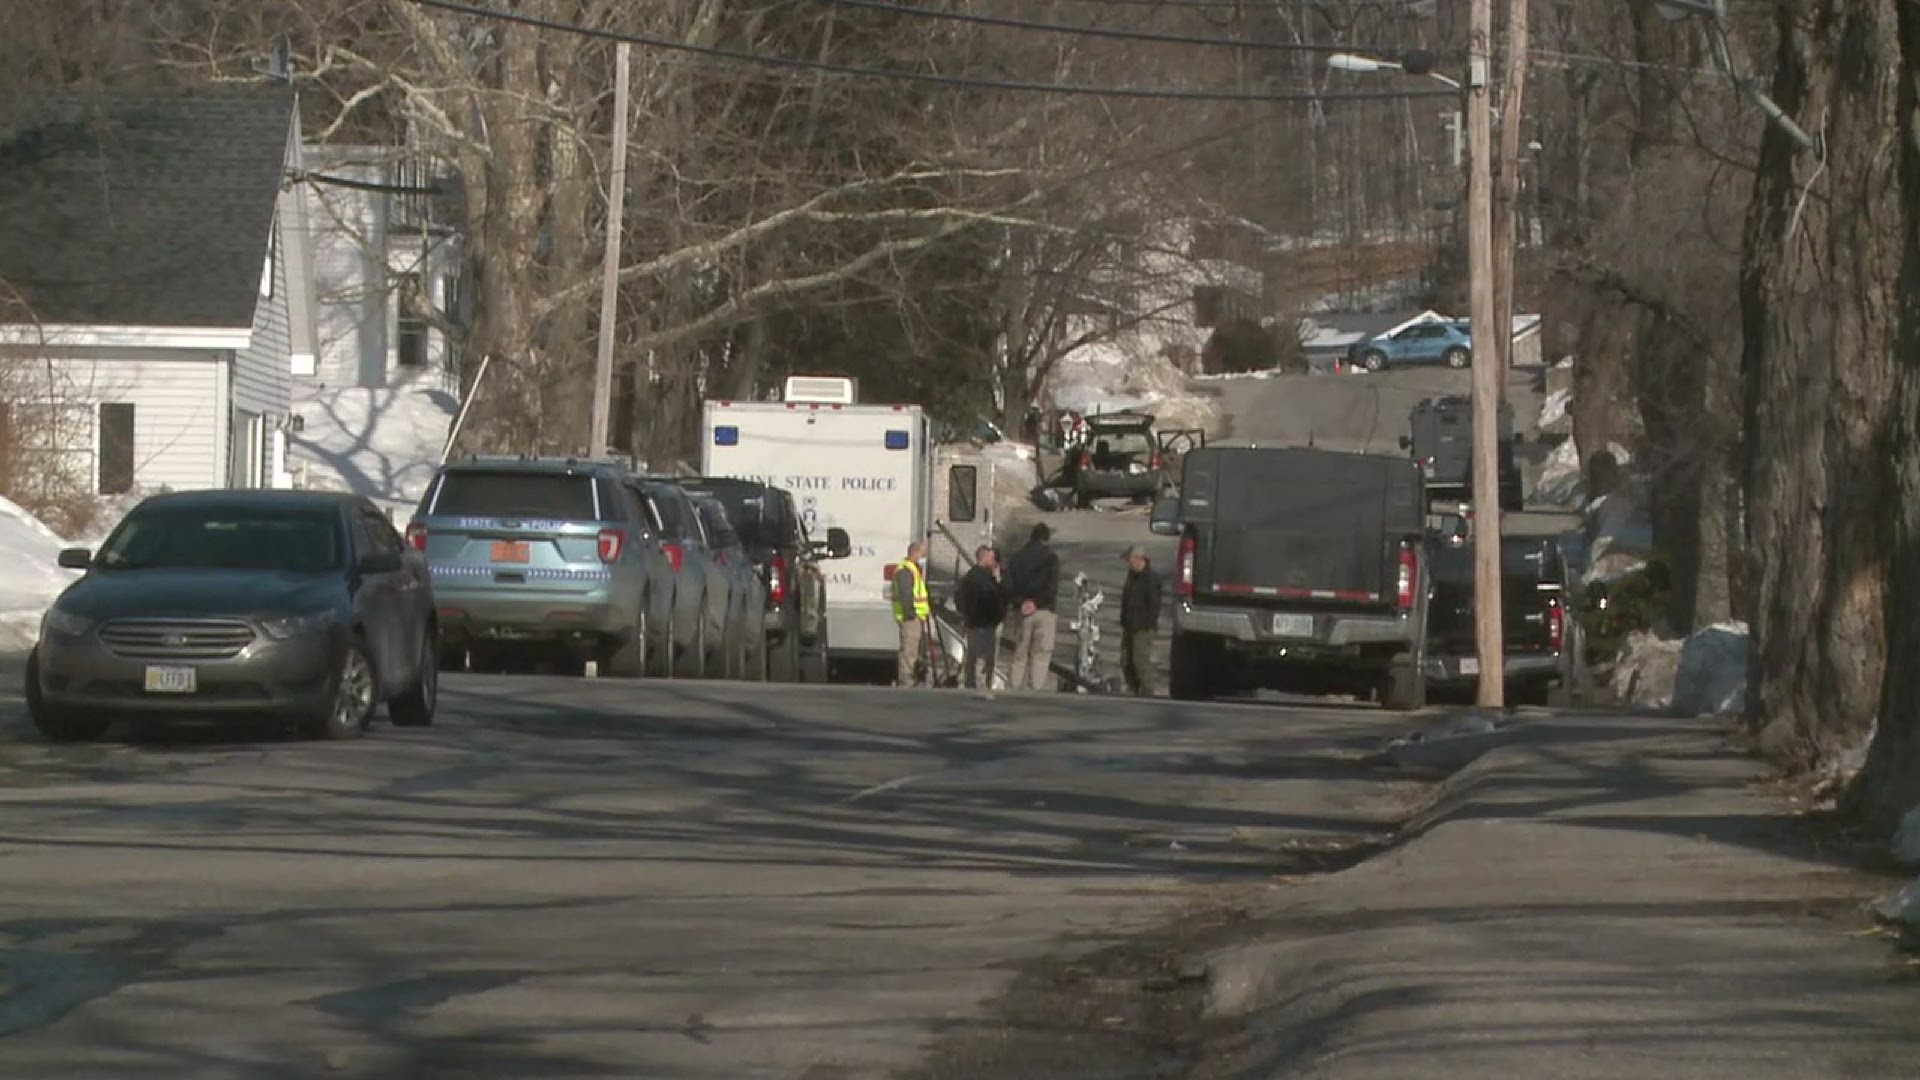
(676, 555)
(1557, 625)
(1409, 575)
(1154, 464)
(612, 543)
(777, 580)
(1183, 574)
(417, 536)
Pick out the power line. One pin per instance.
(951, 15)
(929, 78)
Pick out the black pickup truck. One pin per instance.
(1299, 570)
(1543, 658)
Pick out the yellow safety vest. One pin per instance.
(922, 607)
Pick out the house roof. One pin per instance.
(141, 208)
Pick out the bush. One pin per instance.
(1642, 600)
(1242, 345)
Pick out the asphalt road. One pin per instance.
(585, 877)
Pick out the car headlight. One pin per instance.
(282, 627)
(64, 622)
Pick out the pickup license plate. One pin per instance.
(172, 680)
(510, 551)
(1293, 625)
(1470, 665)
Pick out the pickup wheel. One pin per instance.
(1197, 660)
(818, 667)
(1405, 689)
(783, 660)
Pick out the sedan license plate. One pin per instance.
(1470, 665)
(1293, 625)
(172, 680)
(510, 551)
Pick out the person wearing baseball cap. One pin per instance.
(1139, 623)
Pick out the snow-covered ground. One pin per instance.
(381, 443)
(33, 579)
(1135, 371)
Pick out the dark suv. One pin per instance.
(770, 526)
(543, 555)
(1441, 440)
(1119, 459)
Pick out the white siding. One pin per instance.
(347, 240)
(178, 410)
(263, 371)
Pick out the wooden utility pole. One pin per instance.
(610, 272)
(1506, 196)
(1488, 377)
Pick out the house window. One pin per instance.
(116, 447)
(412, 338)
(52, 449)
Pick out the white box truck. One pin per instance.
(863, 468)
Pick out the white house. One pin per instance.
(374, 401)
(153, 290)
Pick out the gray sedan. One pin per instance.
(301, 605)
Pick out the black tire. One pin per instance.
(783, 660)
(352, 697)
(660, 659)
(1196, 661)
(415, 708)
(1374, 360)
(627, 657)
(57, 724)
(1458, 358)
(1405, 688)
(817, 667)
(691, 662)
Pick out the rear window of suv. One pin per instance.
(512, 493)
(756, 513)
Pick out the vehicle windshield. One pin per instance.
(754, 514)
(297, 541)
(509, 493)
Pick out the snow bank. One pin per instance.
(1902, 909)
(381, 443)
(1553, 410)
(1712, 676)
(1906, 839)
(1621, 532)
(1645, 674)
(1133, 371)
(33, 579)
(1561, 483)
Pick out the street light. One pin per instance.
(1489, 375)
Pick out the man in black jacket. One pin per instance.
(1139, 623)
(1033, 583)
(983, 605)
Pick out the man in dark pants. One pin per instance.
(983, 605)
(1139, 623)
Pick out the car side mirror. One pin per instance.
(1406, 442)
(839, 544)
(380, 562)
(1166, 516)
(76, 559)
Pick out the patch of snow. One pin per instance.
(1712, 677)
(1134, 371)
(33, 579)
(1906, 839)
(381, 443)
(1561, 483)
(1554, 408)
(1645, 674)
(1901, 909)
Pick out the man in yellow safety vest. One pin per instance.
(911, 609)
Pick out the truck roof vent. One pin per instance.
(821, 389)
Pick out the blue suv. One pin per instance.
(1435, 342)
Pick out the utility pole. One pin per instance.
(610, 272)
(1488, 378)
(1506, 198)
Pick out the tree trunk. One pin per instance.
(1820, 310)
(1890, 784)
